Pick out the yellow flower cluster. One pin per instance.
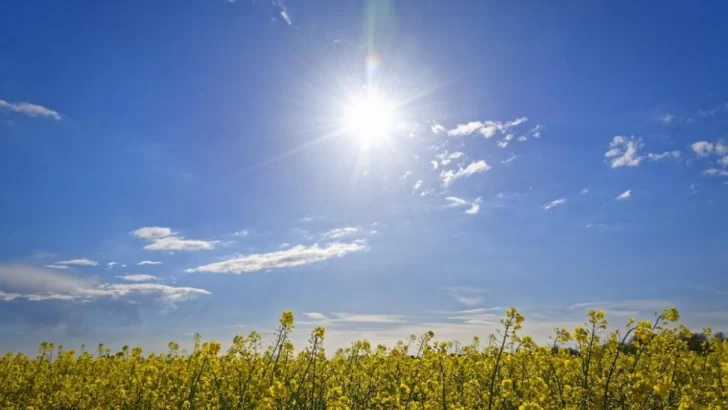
(647, 365)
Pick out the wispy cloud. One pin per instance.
(57, 266)
(341, 232)
(536, 131)
(138, 278)
(474, 206)
(36, 284)
(510, 159)
(435, 164)
(455, 201)
(241, 234)
(487, 129)
(417, 186)
(473, 168)
(555, 203)
(715, 172)
(282, 10)
(624, 152)
(479, 316)
(78, 262)
(164, 239)
(111, 265)
(709, 113)
(344, 317)
(467, 295)
(436, 128)
(446, 158)
(31, 110)
(624, 195)
(295, 256)
(315, 316)
(624, 308)
(142, 263)
(667, 155)
(503, 143)
(666, 119)
(366, 318)
(585, 191)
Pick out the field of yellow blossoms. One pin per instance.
(645, 365)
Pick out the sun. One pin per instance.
(369, 117)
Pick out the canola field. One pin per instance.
(644, 365)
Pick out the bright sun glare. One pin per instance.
(369, 118)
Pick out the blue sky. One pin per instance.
(174, 167)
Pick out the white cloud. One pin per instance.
(142, 263)
(624, 152)
(624, 195)
(285, 16)
(315, 316)
(721, 148)
(57, 266)
(164, 239)
(434, 164)
(138, 278)
(417, 186)
(31, 110)
(111, 264)
(487, 129)
(554, 204)
(78, 262)
(341, 232)
(455, 201)
(705, 148)
(723, 161)
(585, 191)
(436, 128)
(466, 129)
(446, 158)
(152, 232)
(714, 172)
(295, 256)
(173, 243)
(702, 148)
(667, 119)
(663, 156)
(504, 142)
(536, 131)
(474, 206)
(475, 167)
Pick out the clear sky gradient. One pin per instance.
(177, 167)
